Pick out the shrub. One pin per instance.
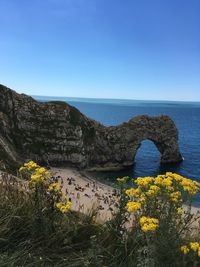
(152, 224)
(158, 217)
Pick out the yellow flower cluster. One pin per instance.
(40, 176)
(144, 182)
(37, 178)
(54, 187)
(122, 180)
(153, 190)
(64, 207)
(185, 249)
(42, 171)
(175, 196)
(169, 186)
(192, 187)
(29, 166)
(194, 246)
(180, 211)
(148, 224)
(179, 182)
(133, 192)
(133, 206)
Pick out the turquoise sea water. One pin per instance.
(186, 115)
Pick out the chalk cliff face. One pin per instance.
(60, 134)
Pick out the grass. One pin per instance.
(43, 237)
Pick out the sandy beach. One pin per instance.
(86, 194)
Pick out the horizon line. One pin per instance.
(103, 98)
(124, 99)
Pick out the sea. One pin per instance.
(186, 116)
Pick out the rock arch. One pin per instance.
(122, 142)
(60, 134)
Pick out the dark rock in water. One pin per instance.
(60, 134)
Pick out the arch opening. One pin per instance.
(147, 159)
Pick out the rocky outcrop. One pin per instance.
(60, 134)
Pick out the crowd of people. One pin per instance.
(87, 194)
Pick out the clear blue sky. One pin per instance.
(135, 49)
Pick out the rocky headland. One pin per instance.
(58, 133)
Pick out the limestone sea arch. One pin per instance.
(60, 134)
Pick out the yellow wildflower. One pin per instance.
(133, 206)
(42, 171)
(37, 178)
(22, 169)
(155, 188)
(150, 193)
(177, 177)
(158, 180)
(194, 246)
(58, 205)
(64, 207)
(123, 179)
(180, 211)
(175, 196)
(133, 192)
(54, 187)
(198, 253)
(153, 191)
(30, 165)
(185, 249)
(192, 187)
(148, 224)
(144, 182)
(164, 181)
(142, 199)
